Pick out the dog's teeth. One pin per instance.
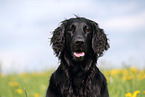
(80, 54)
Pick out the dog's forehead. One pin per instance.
(78, 22)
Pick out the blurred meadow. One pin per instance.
(125, 82)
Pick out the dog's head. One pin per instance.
(79, 36)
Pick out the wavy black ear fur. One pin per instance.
(58, 39)
(99, 40)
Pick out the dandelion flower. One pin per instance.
(19, 91)
(16, 84)
(36, 95)
(128, 95)
(136, 93)
(133, 69)
(2, 75)
(11, 84)
(35, 74)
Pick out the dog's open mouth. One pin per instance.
(79, 54)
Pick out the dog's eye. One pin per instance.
(71, 29)
(87, 29)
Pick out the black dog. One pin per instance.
(78, 43)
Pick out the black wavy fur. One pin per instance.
(78, 79)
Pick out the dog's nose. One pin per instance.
(79, 41)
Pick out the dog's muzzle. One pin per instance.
(78, 49)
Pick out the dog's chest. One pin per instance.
(78, 81)
(78, 86)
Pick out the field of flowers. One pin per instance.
(128, 82)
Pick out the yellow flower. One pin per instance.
(115, 72)
(35, 74)
(128, 95)
(107, 78)
(11, 84)
(36, 95)
(2, 75)
(133, 69)
(22, 74)
(16, 84)
(143, 92)
(136, 93)
(19, 91)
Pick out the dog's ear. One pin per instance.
(58, 39)
(99, 40)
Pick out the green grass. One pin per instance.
(35, 84)
(120, 82)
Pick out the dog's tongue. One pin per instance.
(80, 54)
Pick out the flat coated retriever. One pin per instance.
(78, 43)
